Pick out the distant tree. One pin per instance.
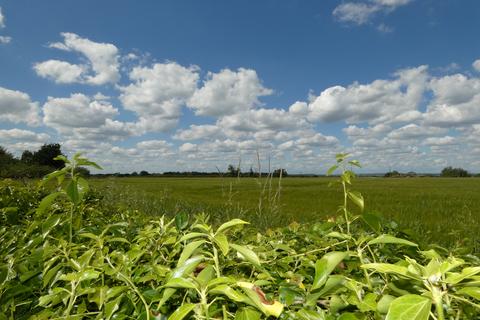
(44, 156)
(454, 172)
(280, 172)
(27, 157)
(6, 157)
(84, 172)
(393, 173)
(232, 171)
(251, 173)
(134, 174)
(144, 173)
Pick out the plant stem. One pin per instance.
(438, 301)
(345, 198)
(215, 260)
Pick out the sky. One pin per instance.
(183, 85)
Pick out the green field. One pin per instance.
(442, 210)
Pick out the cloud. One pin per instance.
(383, 28)
(476, 65)
(16, 107)
(318, 140)
(195, 132)
(228, 92)
(361, 13)
(154, 145)
(440, 141)
(60, 71)
(158, 93)
(456, 101)
(23, 135)
(101, 68)
(5, 39)
(2, 19)
(82, 117)
(262, 119)
(414, 131)
(386, 101)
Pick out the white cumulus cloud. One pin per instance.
(228, 92)
(60, 71)
(158, 93)
(380, 101)
(16, 107)
(82, 117)
(101, 68)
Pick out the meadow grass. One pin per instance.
(440, 210)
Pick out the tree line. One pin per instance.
(446, 172)
(31, 164)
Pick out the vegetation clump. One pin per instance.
(66, 254)
(454, 172)
(31, 164)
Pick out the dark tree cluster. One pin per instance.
(31, 164)
(454, 172)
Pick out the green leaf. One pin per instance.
(390, 268)
(384, 303)
(49, 224)
(332, 170)
(192, 235)
(181, 221)
(305, 314)
(231, 293)
(348, 316)
(47, 202)
(291, 295)
(82, 187)
(112, 306)
(189, 250)
(206, 275)
(181, 283)
(454, 278)
(325, 266)
(373, 221)
(409, 307)
(247, 314)
(229, 224)
(72, 191)
(187, 267)
(222, 242)
(357, 198)
(248, 254)
(473, 292)
(182, 312)
(50, 274)
(386, 238)
(355, 163)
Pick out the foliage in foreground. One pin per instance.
(69, 256)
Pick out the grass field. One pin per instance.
(441, 210)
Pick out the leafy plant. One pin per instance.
(71, 255)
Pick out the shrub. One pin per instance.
(73, 257)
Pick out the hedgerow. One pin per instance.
(67, 254)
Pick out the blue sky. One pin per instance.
(192, 85)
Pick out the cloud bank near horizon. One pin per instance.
(168, 116)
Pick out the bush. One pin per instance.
(454, 172)
(74, 257)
